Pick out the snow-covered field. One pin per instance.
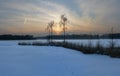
(18, 60)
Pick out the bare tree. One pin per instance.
(50, 30)
(63, 23)
(112, 36)
(112, 43)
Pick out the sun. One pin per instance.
(57, 29)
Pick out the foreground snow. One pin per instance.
(53, 61)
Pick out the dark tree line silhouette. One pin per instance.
(83, 36)
(16, 37)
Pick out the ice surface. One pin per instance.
(18, 60)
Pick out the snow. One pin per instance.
(18, 60)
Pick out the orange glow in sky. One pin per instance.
(57, 29)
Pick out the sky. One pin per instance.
(84, 16)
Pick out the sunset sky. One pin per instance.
(84, 16)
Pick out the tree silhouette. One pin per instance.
(63, 22)
(50, 30)
(112, 43)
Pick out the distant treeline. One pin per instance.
(73, 36)
(83, 36)
(16, 37)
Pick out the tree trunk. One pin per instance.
(64, 33)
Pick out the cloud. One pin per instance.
(102, 13)
(88, 16)
(38, 15)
